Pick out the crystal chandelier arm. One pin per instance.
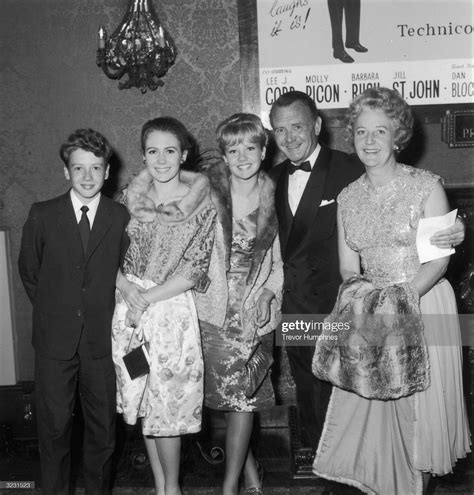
(102, 63)
(139, 48)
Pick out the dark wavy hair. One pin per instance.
(173, 126)
(235, 128)
(88, 140)
(167, 124)
(390, 102)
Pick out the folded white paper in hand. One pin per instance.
(426, 228)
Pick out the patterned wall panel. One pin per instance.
(51, 85)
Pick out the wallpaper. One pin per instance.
(51, 86)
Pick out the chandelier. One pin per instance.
(139, 48)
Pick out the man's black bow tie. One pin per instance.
(305, 167)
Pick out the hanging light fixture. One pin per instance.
(139, 48)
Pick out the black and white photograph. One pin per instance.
(236, 247)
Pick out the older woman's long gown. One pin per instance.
(383, 446)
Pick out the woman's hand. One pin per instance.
(133, 228)
(429, 273)
(450, 237)
(131, 293)
(132, 318)
(263, 307)
(133, 296)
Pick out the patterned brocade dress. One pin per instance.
(382, 447)
(227, 350)
(168, 399)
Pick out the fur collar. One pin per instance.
(142, 207)
(267, 226)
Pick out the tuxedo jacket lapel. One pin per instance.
(310, 201)
(102, 223)
(285, 217)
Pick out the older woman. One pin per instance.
(241, 308)
(392, 446)
(171, 231)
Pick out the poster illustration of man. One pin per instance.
(351, 11)
(335, 49)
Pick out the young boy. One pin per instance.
(71, 250)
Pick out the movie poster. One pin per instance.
(335, 49)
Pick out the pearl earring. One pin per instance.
(396, 148)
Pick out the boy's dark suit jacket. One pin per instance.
(70, 291)
(309, 239)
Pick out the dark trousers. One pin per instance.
(351, 9)
(312, 395)
(55, 390)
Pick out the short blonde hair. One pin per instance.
(237, 127)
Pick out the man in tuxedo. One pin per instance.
(307, 185)
(71, 251)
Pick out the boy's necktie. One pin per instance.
(84, 228)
